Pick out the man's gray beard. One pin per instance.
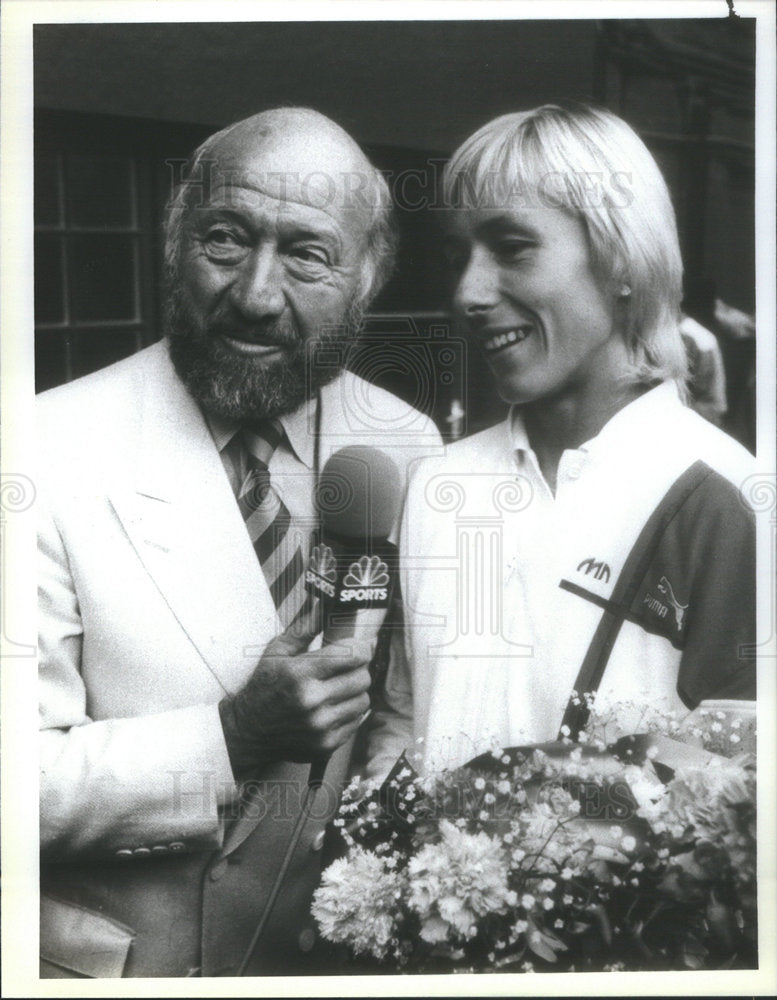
(230, 386)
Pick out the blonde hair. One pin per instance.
(589, 162)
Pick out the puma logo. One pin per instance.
(665, 587)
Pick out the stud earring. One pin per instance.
(625, 291)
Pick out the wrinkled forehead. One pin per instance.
(299, 170)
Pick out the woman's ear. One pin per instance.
(366, 279)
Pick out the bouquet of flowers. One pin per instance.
(637, 855)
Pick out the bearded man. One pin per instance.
(177, 652)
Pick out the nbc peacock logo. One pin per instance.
(322, 570)
(366, 580)
(369, 571)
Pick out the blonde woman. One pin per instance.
(596, 539)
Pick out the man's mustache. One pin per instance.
(274, 333)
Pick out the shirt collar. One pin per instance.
(221, 430)
(652, 408)
(298, 426)
(517, 428)
(619, 429)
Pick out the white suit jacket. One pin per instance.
(152, 607)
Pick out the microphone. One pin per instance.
(353, 566)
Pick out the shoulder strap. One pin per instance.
(598, 654)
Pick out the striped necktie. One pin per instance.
(279, 545)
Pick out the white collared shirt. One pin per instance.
(291, 467)
(494, 640)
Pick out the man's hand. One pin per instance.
(297, 705)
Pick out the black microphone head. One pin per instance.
(359, 493)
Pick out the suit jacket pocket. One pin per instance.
(81, 942)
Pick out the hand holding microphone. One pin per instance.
(296, 706)
(300, 705)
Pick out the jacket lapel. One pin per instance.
(182, 519)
